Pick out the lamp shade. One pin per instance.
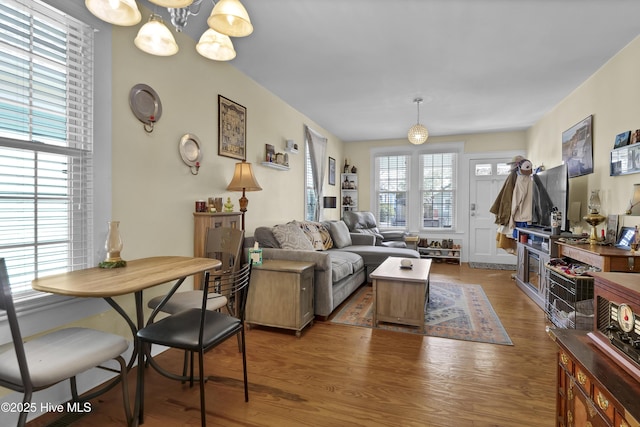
(155, 38)
(216, 46)
(329, 202)
(116, 12)
(231, 18)
(243, 179)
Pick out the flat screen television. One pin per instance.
(555, 181)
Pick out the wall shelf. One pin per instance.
(275, 166)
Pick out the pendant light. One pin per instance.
(216, 46)
(229, 17)
(116, 12)
(418, 134)
(155, 38)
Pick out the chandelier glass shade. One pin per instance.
(155, 38)
(175, 4)
(116, 12)
(231, 18)
(216, 46)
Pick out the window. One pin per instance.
(415, 189)
(46, 142)
(437, 190)
(392, 174)
(311, 200)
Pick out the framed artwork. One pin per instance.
(577, 148)
(635, 137)
(332, 171)
(232, 129)
(622, 139)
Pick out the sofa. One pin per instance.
(343, 260)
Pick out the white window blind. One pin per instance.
(46, 164)
(392, 173)
(438, 190)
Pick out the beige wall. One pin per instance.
(611, 96)
(359, 153)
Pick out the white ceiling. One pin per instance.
(355, 66)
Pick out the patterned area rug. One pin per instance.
(455, 311)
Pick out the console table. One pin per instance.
(606, 258)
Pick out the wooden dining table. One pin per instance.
(134, 278)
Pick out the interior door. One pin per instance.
(486, 178)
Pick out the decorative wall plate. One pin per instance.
(145, 104)
(189, 148)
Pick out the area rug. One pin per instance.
(456, 311)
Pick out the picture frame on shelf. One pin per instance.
(232, 129)
(622, 139)
(635, 137)
(577, 148)
(332, 171)
(270, 153)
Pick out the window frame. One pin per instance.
(41, 306)
(413, 203)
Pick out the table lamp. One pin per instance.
(243, 180)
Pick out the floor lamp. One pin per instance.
(243, 180)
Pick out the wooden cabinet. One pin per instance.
(349, 191)
(592, 388)
(201, 222)
(281, 295)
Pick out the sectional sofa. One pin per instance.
(343, 260)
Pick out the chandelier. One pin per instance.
(418, 134)
(228, 19)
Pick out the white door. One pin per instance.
(486, 178)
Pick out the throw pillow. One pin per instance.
(265, 238)
(317, 234)
(340, 234)
(290, 236)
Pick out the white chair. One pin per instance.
(57, 356)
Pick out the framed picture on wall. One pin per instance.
(577, 148)
(232, 129)
(332, 171)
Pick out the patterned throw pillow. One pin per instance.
(290, 236)
(317, 234)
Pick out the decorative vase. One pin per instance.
(354, 169)
(113, 244)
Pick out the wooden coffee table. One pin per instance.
(401, 295)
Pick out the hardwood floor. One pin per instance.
(337, 375)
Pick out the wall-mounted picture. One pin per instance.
(332, 171)
(577, 148)
(622, 139)
(232, 129)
